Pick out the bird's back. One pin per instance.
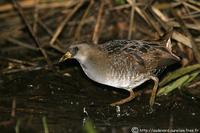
(150, 56)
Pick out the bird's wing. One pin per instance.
(151, 55)
(117, 46)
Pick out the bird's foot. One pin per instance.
(125, 100)
(153, 93)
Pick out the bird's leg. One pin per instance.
(153, 93)
(125, 100)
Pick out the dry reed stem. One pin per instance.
(22, 44)
(189, 26)
(22, 62)
(187, 32)
(78, 29)
(149, 20)
(120, 7)
(156, 17)
(13, 111)
(56, 46)
(194, 2)
(37, 42)
(31, 3)
(96, 33)
(64, 22)
(181, 38)
(36, 10)
(191, 18)
(131, 22)
(142, 14)
(192, 7)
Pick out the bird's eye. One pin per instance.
(76, 49)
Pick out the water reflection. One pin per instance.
(69, 100)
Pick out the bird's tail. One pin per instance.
(169, 48)
(166, 40)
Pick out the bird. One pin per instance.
(124, 64)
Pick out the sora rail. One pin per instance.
(123, 64)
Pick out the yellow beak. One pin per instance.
(66, 56)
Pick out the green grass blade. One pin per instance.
(170, 87)
(45, 125)
(88, 127)
(120, 2)
(178, 73)
(17, 127)
(192, 77)
(178, 83)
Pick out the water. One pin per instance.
(68, 99)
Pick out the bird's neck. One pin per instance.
(96, 59)
(94, 65)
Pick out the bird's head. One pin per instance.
(79, 52)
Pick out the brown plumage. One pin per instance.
(123, 64)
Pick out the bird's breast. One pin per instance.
(120, 76)
(126, 81)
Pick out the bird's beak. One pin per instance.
(66, 56)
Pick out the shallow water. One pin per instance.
(68, 99)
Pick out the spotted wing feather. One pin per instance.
(151, 55)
